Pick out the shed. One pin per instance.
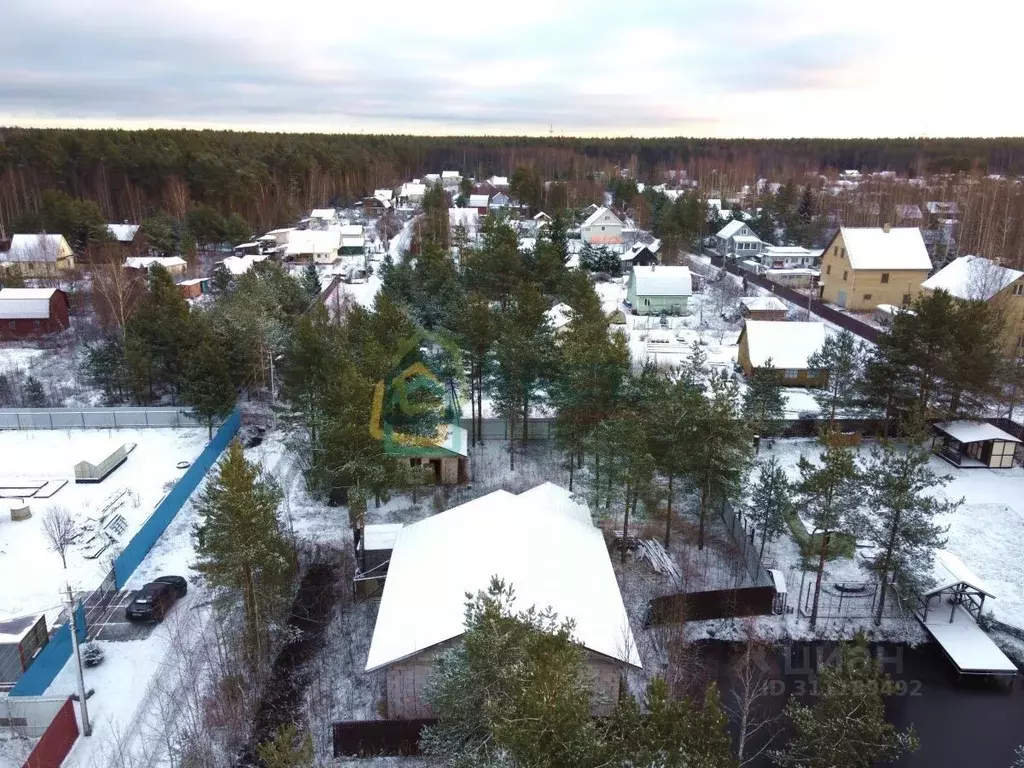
(974, 444)
(96, 472)
(193, 289)
(763, 308)
(21, 639)
(449, 458)
(787, 345)
(659, 290)
(438, 560)
(123, 233)
(31, 312)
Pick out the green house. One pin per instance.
(658, 290)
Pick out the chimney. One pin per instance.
(886, 227)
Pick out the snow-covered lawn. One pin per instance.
(31, 576)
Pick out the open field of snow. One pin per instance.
(30, 573)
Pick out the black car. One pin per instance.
(153, 601)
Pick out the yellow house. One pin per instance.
(866, 266)
(978, 278)
(787, 346)
(39, 255)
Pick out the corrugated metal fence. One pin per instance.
(96, 418)
(57, 740)
(497, 429)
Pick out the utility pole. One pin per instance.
(86, 727)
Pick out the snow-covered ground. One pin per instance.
(57, 366)
(31, 575)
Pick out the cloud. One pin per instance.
(598, 67)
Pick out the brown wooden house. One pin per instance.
(31, 312)
(785, 347)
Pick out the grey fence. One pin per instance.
(497, 429)
(743, 537)
(96, 418)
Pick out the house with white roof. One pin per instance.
(785, 347)
(323, 216)
(975, 278)
(38, 255)
(32, 312)
(602, 227)
(173, 264)
(499, 201)
(320, 246)
(123, 233)
(763, 308)
(863, 267)
(451, 179)
(412, 192)
(479, 203)
(640, 255)
(437, 561)
(658, 290)
(498, 181)
(736, 240)
(788, 257)
(239, 265)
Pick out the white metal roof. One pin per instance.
(32, 248)
(479, 201)
(541, 542)
(974, 431)
(25, 303)
(123, 233)
(592, 218)
(763, 303)
(145, 262)
(498, 181)
(384, 194)
(353, 242)
(874, 248)
(786, 250)
(451, 175)
(308, 241)
(972, 277)
(663, 281)
(787, 344)
(413, 189)
(731, 229)
(322, 213)
(381, 536)
(351, 230)
(747, 239)
(239, 265)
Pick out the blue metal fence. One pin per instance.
(143, 541)
(51, 660)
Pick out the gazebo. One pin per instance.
(974, 444)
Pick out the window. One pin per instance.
(602, 229)
(828, 270)
(1018, 290)
(885, 277)
(790, 373)
(835, 250)
(906, 299)
(843, 254)
(845, 273)
(867, 297)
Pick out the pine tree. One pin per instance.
(827, 494)
(311, 281)
(288, 749)
(512, 691)
(242, 547)
(221, 279)
(764, 404)
(309, 369)
(899, 516)
(35, 395)
(845, 726)
(841, 362)
(724, 447)
(207, 384)
(771, 503)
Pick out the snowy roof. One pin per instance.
(240, 246)
(25, 303)
(383, 194)
(598, 214)
(747, 239)
(322, 213)
(381, 536)
(123, 233)
(13, 631)
(413, 188)
(874, 248)
(41, 247)
(972, 277)
(353, 242)
(541, 216)
(239, 265)
(559, 316)
(438, 560)
(731, 228)
(467, 217)
(763, 303)
(145, 262)
(662, 281)
(498, 181)
(351, 230)
(451, 175)
(637, 248)
(193, 281)
(950, 569)
(974, 431)
(308, 241)
(787, 344)
(479, 201)
(786, 250)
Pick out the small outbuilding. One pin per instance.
(658, 290)
(21, 639)
(788, 346)
(640, 255)
(32, 312)
(974, 444)
(763, 308)
(449, 459)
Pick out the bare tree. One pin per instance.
(750, 699)
(59, 529)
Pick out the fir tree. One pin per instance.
(841, 363)
(764, 403)
(35, 395)
(828, 496)
(771, 503)
(899, 516)
(288, 749)
(242, 547)
(207, 384)
(845, 726)
(221, 279)
(311, 281)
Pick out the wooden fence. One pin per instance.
(370, 738)
(712, 604)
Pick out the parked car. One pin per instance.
(153, 601)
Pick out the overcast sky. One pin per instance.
(763, 68)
